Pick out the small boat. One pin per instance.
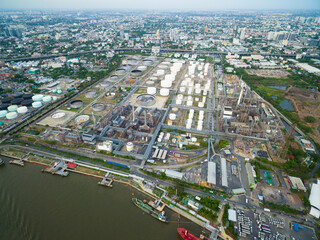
(161, 216)
(186, 235)
(1, 162)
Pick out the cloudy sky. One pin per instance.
(163, 4)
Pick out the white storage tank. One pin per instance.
(129, 146)
(142, 68)
(38, 97)
(37, 104)
(164, 92)
(151, 90)
(22, 110)
(150, 83)
(166, 83)
(180, 96)
(3, 113)
(54, 98)
(189, 103)
(47, 99)
(11, 115)
(178, 101)
(182, 89)
(172, 116)
(12, 108)
(198, 91)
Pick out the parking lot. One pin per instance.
(267, 226)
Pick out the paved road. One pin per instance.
(146, 50)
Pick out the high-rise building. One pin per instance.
(243, 34)
(14, 31)
(174, 34)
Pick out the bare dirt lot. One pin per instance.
(279, 195)
(306, 103)
(268, 73)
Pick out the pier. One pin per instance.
(58, 168)
(106, 181)
(17, 162)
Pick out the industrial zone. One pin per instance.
(180, 117)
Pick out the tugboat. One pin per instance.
(161, 216)
(185, 235)
(1, 162)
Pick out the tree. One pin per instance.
(310, 119)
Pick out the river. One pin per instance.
(41, 206)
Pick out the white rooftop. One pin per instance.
(232, 215)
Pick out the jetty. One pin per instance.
(59, 168)
(157, 204)
(106, 181)
(17, 162)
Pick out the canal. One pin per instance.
(36, 206)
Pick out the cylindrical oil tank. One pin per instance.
(27, 102)
(4, 106)
(180, 96)
(178, 101)
(142, 68)
(114, 77)
(166, 83)
(147, 62)
(136, 72)
(47, 99)
(82, 119)
(120, 71)
(91, 94)
(172, 116)
(76, 104)
(127, 66)
(11, 115)
(22, 110)
(27, 96)
(16, 101)
(54, 98)
(12, 108)
(37, 97)
(164, 92)
(3, 113)
(150, 83)
(129, 146)
(18, 95)
(151, 90)
(37, 104)
(7, 100)
(98, 107)
(105, 84)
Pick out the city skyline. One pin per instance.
(165, 5)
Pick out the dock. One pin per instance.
(106, 181)
(59, 168)
(17, 162)
(157, 204)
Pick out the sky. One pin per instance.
(161, 4)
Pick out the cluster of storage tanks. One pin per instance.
(168, 79)
(19, 103)
(190, 119)
(57, 90)
(163, 136)
(190, 87)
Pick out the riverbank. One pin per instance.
(137, 184)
